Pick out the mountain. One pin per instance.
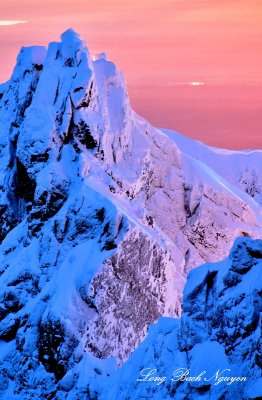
(214, 350)
(102, 216)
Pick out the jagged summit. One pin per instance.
(71, 44)
(101, 218)
(71, 37)
(69, 47)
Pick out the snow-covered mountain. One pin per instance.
(102, 217)
(214, 350)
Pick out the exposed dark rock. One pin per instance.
(8, 333)
(25, 185)
(83, 133)
(100, 214)
(78, 89)
(69, 62)
(86, 102)
(38, 67)
(40, 157)
(55, 347)
(231, 279)
(46, 206)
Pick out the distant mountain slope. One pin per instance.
(101, 218)
(242, 168)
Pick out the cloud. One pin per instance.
(196, 83)
(7, 22)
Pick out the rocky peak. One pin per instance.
(101, 218)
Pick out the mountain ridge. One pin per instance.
(102, 216)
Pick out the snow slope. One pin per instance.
(239, 167)
(101, 218)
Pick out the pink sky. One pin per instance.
(162, 46)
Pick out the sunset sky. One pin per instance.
(163, 46)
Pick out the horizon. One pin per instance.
(193, 67)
